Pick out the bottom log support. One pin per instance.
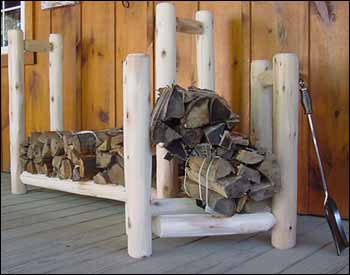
(86, 188)
(201, 225)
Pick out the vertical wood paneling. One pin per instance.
(5, 147)
(227, 46)
(245, 66)
(98, 36)
(283, 27)
(36, 78)
(98, 64)
(134, 33)
(186, 72)
(71, 62)
(329, 71)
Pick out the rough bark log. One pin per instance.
(116, 174)
(101, 178)
(248, 157)
(66, 169)
(216, 202)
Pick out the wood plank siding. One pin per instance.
(98, 36)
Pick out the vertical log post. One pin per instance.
(285, 146)
(205, 51)
(56, 81)
(165, 60)
(137, 152)
(261, 107)
(16, 106)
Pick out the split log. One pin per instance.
(47, 169)
(57, 146)
(263, 191)
(56, 162)
(103, 159)
(46, 151)
(197, 114)
(216, 202)
(249, 173)
(213, 133)
(241, 203)
(257, 206)
(271, 170)
(66, 169)
(235, 186)
(116, 174)
(73, 155)
(23, 149)
(220, 177)
(248, 157)
(31, 167)
(87, 167)
(219, 167)
(24, 162)
(191, 137)
(101, 178)
(84, 144)
(105, 145)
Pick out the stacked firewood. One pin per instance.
(79, 156)
(224, 172)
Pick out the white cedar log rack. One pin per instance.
(19, 179)
(275, 99)
(274, 125)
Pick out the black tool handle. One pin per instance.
(306, 101)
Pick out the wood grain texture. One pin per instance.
(98, 64)
(36, 78)
(329, 89)
(71, 62)
(5, 142)
(245, 66)
(186, 74)
(278, 26)
(134, 34)
(227, 48)
(266, 27)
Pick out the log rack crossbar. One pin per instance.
(274, 101)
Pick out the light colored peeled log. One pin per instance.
(137, 154)
(285, 147)
(165, 59)
(205, 51)
(56, 81)
(16, 106)
(261, 106)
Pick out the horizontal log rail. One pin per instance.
(201, 225)
(37, 46)
(189, 26)
(86, 188)
(266, 78)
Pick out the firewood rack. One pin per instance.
(274, 101)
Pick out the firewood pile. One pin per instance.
(223, 171)
(79, 156)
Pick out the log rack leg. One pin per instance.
(137, 154)
(205, 51)
(16, 106)
(56, 81)
(261, 107)
(165, 59)
(285, 146)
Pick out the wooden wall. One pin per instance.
(98, 36)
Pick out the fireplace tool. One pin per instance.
(329, 206)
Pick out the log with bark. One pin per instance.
(197, 127)
(79, 156)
